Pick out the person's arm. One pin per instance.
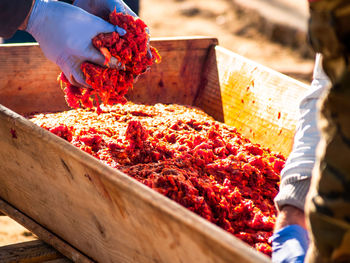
(296, 175)
(290, 215)
(290, 229)
(13, 14)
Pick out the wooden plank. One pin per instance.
(24, 68)
(28, 81)
(28, 252)
(261, 103)
(176, 79)
(36, 250)
(99, 210)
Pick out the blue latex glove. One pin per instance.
(64, 33)
(102, 8)
(289, 245)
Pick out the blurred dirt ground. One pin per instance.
(11, 232)
(236, 29)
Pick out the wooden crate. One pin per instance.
(102, 213)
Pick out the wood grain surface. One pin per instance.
(261, 103)
(37, 250)
(29, 252)
(28, 81)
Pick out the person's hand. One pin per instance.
(289, 245)
(64, 33)
(103, 8)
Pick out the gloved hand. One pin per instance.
(289, 245)
(102, 8)
(64, 33)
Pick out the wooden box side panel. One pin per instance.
(177, 78)
(261, 103)
(98, 210)
(28, 81)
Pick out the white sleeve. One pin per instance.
(296, 175)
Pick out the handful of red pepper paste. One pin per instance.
(182, 153)
(132, 51)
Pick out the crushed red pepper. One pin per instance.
(182, 153)
(110, 85)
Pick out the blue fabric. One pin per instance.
(289, 245)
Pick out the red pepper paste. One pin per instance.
(110, 85)
(204, 165)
